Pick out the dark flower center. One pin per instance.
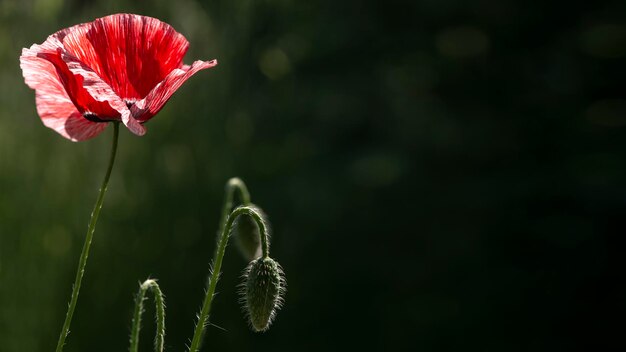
(92, 117)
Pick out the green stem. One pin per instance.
(234, 184)
(258, 217)
(85, 252)
(226, 225)
(159, 340)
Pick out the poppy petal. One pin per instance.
(101, 93)
(89, 93)
(146, 108)
(55, 108)
(98, 71)
(131, 53)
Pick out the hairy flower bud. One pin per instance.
(262, 292)
(247, 236)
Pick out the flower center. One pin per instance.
(92, 117)
(95, 118)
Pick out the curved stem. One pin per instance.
(258, 217)
(237, 183)
(82, 262)
(226, 229)
(234, 184)
(159, 339)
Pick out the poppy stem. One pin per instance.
(82, 262)
(159, 339)
(226, 224)
(234, 184)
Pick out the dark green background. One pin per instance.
(441, 175)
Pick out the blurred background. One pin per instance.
(440, 175)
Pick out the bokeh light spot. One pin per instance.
(462, 42)
(605, 41)
(377, 170)
(608, 112)
(47, 9)
(274, 63)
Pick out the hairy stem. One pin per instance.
(159, 339)
(226, 224)
(82, 262)
(258, 217)
(234, 184)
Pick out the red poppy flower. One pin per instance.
(117, 68)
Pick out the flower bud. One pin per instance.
(262, 292)
(247, 236)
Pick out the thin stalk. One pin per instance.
(82, 262)
(256, 215)
(226, 229)
(159, 339)
(234, 184)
